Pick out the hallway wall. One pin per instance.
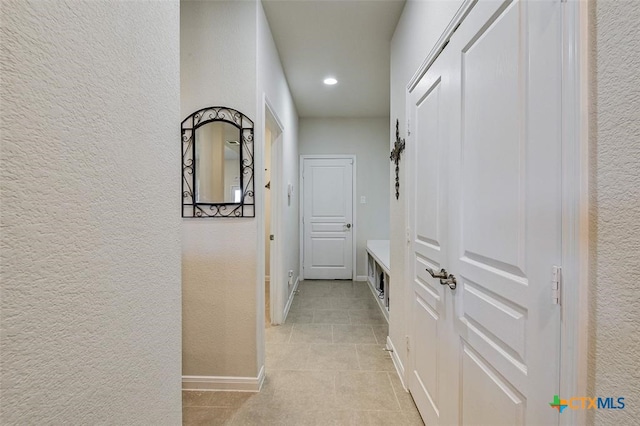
(367, 139)
(273, 84)
(228, 57)
(219, 256)
(90, 306)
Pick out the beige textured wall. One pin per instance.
(614, 353)
(219, 256)
(90, 307)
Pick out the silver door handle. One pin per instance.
(442, 274)
(445, 277)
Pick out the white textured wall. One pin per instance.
(614, 356)
(273, 83)
(420, 26)
(368, 139)
(219, 256)
(90, 307)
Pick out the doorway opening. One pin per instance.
(272, 199)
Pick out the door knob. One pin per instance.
(442, 274)
(348, 225)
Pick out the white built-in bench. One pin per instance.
(378, 261)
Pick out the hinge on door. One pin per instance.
(556, 277)
(408, 127)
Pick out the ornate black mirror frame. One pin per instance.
(190, 206)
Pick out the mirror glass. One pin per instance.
(217, 178)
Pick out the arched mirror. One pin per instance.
(217, 164)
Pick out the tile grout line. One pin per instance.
(393, 388)
(374, 334)
(358, 358)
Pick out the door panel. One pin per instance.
(327, 201)
(327, 252)
(492, 312)
(492, 142)
(428, 229)
(427, 149)
(328, 218)
(489, 399)
(501, 253)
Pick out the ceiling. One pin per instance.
(349, 40)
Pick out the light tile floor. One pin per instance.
(325, 366)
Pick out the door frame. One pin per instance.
(574, 347)
(354, 225)
(277, 303)
(575, 195)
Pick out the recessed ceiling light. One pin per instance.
(330, 81)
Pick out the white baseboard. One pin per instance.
(396, 362)
(286, 308)
(361, 278)
(223, 383)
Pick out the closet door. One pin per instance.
(485, 176)
(505, 222)
(430, 303)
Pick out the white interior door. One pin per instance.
(327, 209)
(431, 303)
(500, 80)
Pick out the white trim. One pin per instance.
(271, 119)
(224, 383)
(462, 12)
(396, 362)
(291, 296)
(362, 278)
(272, 110)
(354, 227)
(409, 171)
(575, 206)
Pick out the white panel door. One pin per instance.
(327, 218)
(500, 101)
(431, 303)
